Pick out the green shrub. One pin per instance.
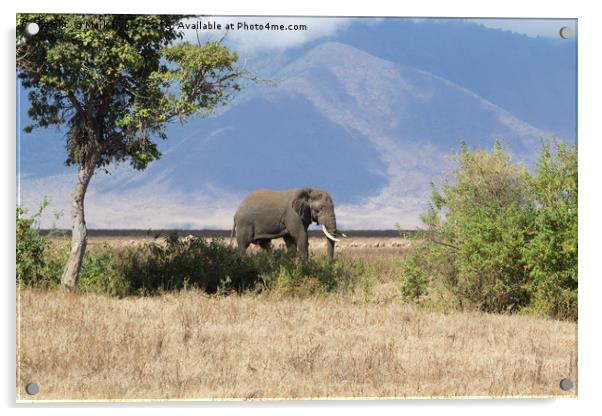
(552, 251)
(99, 272)
(281, 273)
(179, 264)
(213, 266)
(418, 269)
(31, 263)
(500, 239)
(479, 223)
(40, 264)
(55, 256)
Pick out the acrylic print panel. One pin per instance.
(247, 208)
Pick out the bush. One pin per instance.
(499, 239)
(281, 273)
(425, 265)
(32, 265)
(179, 264)
(211, 266)
(99, 273)
(552, 251)
(40, 264)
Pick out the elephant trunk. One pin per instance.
(329, 227)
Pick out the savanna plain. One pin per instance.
(364, 343)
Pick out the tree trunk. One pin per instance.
(79, 232)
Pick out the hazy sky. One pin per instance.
(548, 28)
(255, 41)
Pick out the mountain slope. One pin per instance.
(377, 97)
(535, 77)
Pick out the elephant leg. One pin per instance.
(243, 239)
(302, 244)
(291, 245)
(264, 244)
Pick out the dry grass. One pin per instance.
(188, 345)
(363, 344)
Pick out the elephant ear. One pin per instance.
(301, 205)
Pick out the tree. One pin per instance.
(114, 82)
(475, 230)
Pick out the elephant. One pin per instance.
(266, 214)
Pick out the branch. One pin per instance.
(444, 244)
(429, 237)
(246, 74)
(75, 103)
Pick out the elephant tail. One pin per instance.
(233, 233)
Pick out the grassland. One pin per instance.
(368, 343)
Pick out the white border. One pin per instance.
(589, 213)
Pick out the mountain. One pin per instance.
(534, 78)
(373, 132)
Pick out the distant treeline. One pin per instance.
(215, 233)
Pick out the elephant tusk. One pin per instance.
(344, 235)
(328, 234)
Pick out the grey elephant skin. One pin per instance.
(265, 214)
